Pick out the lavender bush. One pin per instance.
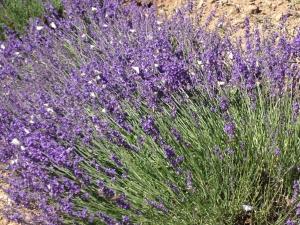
(111, 114)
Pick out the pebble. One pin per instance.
(253, 9)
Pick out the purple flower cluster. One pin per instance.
(65, 80)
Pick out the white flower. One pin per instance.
(132, 30)
(15, 141)
(49, 110)
(17, 53)
(98, 77)
(247, 208)
(149, 37)
(38, 28)
(83, 36)
(200, 62)
(31, 119)
(103, 110)
(14, 161)
(94, 9)
(159, 22)
(221, 83)
(136, 69)
(26, 131)
(22, 148)
(230, 55)
(49, 186)
(93, 94)
(105, 25)
(53, 25)
(92, 46)
(156, 65)
(2, 46)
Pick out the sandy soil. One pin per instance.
(4, 200)
(234, 11)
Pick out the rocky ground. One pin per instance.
(235, 12)
(4, 200)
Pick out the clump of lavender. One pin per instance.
(99, 108)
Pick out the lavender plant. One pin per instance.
(114, 115)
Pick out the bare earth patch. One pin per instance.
(4, 200)
(235, 11)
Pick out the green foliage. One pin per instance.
(251, 173)
(16, 13)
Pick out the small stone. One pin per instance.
(224, 2)
(234, 11)
(253, 9)
(278, 17)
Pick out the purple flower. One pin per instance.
(296, 110)
(224, 104)
(121, 201)
(298, 210)
(105, 191)
(158, 205)
(107, 219)
(290, 222)
(230, 129)
(116, 160)
(174, 188)
(110, 172)
(126, 220)
(277, 151)
(169, 152)
(149, 127)
(176, 134)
